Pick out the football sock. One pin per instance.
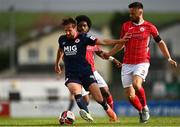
(136, 103)
(71, 105)
(142, 97)
(104, 105)
(110, 101)
(80, 102)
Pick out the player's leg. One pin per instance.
(107, 96)
(89, 83)
(104, 89)
(133, 99)
(127, 81)
(139, 75)
(71, 102)
(96, 93)
(75, 89)
(137, 83)
(85, 95)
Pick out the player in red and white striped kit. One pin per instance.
(136, 60)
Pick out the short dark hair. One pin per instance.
(136, 5)
(67, 21)
(84, 18)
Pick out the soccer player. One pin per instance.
(72, 47)
(136, 60)
(83, 26)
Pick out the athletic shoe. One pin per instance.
(140, 118)
(86, 116)
(144, 115)
(111, 114)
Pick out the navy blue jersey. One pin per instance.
(75, 52)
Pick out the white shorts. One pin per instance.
(128, 70)
(100, 81)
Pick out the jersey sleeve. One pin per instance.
(122, 31)
(60, 42)
(154, 31)
(97, 48)
(90, 40)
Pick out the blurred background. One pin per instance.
(29, 31)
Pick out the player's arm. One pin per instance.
(59, 58)
(113, 51)
(162, 46)
(117, 63)
(109, 42)
(119, 46)
(122, 41)
(116, 49)
(101, 53)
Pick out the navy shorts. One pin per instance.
(83, 78)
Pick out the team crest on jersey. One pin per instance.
(142, 29)
(92, 38)
(77, 40)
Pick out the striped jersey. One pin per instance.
(90, 55)
(137, 48)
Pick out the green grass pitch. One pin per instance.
(99, 122)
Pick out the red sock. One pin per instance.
(142, 97)
(136, 103)
(110, 102)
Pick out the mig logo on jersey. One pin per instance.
(70, 50)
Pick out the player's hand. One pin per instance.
(117, 63)
(172, 63)
(127, 36)
(57, 69)
(105, 55)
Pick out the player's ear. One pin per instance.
(140, 11)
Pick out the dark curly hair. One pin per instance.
(81, 18)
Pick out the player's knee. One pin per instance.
(137, 86)
(77, 97)
(130, 93)
(86, 100)
(131, 96)
(137, 83)
(105, 93)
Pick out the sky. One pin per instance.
(88, 5)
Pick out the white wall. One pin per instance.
(32, 88)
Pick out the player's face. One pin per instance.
(70, 30)
(134, 14)
(83, 27)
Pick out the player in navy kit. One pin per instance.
(72, 46)
(84, 26)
